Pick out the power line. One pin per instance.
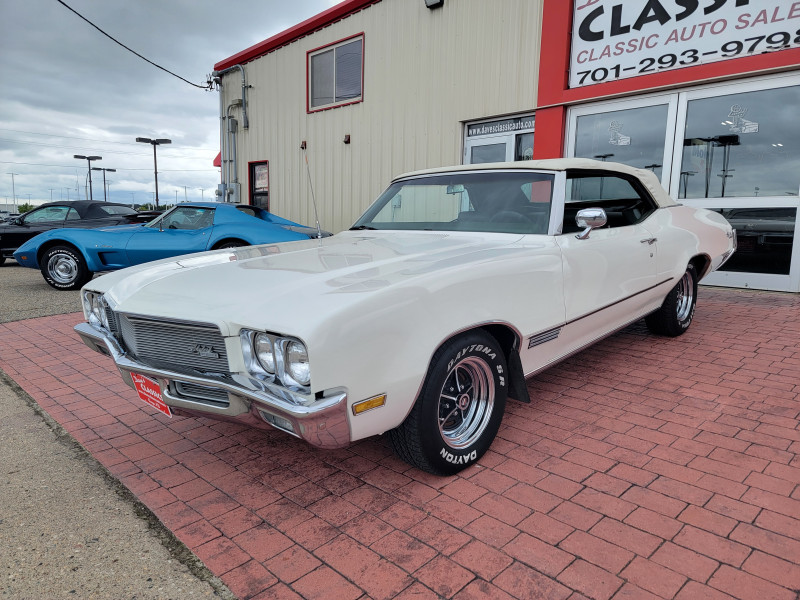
(8, 162)
(65, 5)
(197, 152)
(96, 140)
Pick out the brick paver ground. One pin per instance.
(645, 468)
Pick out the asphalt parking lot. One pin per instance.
(644, 468)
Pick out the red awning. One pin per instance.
(218, 160)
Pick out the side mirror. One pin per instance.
(588, 219)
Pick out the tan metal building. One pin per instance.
(704, 93)
(423, 77)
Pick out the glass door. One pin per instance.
(733, 148)
(634, 132)
(503, 140)
(737, 151)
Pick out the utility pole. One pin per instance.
(14, 191)
(185, 199)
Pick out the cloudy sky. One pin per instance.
(67, 89)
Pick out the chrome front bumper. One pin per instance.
(323, 424)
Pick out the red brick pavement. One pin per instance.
(644, 468)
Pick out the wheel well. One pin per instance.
(701, 264)
(51, 244)
(228, 241)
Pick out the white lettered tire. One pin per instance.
(460, 407)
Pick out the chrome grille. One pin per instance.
(191, 348)
(113, 326)
(201, 393)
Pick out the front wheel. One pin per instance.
(459, 409)
(64, 268)
(677, 311)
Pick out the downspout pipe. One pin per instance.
(232, 177)
(224, 149)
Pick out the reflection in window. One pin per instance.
(335, 74)
(635, 137)
(764, 239)
(488, 153)
(742, 145)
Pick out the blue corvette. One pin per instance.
(68, 258)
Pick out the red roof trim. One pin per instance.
(323, 19)
(217, 160)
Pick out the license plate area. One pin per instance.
(150, 392)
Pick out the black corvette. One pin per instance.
(52, 215)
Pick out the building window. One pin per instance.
(742, 145)
(634, 136)
(335, 74)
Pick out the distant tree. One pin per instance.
(23, 208)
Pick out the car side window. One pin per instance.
(73, 215)
(48, 213)
(623, 199)
(187, 218)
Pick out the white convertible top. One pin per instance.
(648, 178)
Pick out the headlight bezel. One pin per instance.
(94, 309)
(292, 372)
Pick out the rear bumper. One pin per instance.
(248, 401)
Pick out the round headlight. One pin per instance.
(95, 309)
(87, 303)
(297, 363)
(262, 346)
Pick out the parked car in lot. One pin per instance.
(422, 319)
(68, 258)
(53, 215)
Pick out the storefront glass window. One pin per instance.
(488, 153)
(634, 137)
(764, 239)
(742, 145)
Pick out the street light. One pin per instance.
(105, 198)
(154, 143)
(88, 159)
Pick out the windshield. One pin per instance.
(497, 201)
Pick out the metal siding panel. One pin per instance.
(470, 59)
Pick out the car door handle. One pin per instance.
(649, 241)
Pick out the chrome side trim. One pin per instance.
(545, 336)
(322, 423)
(620, 301)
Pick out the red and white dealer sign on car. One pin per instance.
(150, 392)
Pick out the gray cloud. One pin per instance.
(67, 89)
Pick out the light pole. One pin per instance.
(89, 160)
(105, 197)
(154, 143)
(14, 191)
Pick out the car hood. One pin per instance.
(270, 286)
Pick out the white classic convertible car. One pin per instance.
(422, 319)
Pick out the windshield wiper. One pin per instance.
(362, 227)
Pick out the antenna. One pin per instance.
(310, 185)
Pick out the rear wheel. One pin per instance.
(232, 244)
(677, 311)
(459, 409)
(63, 268)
